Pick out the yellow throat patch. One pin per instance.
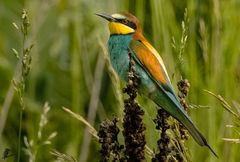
(118, 28)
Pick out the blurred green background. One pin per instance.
(69, 69)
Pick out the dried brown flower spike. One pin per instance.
(133, 132)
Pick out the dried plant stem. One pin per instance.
(164, 141)
(133, 132)
(183, 87)
(108, 138)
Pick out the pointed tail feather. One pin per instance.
(170, 103)
(207, 145)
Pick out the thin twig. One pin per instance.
(91, 129)
(223, 103)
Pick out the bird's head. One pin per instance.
(122, 23)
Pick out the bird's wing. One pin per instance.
(152, 63)
(149, 59)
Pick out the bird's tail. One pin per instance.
(170, 103)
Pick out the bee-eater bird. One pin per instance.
(126, 36)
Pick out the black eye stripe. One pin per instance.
(132, 25)
(128, 23)
(123, 21)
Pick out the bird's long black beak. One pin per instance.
(107, 17)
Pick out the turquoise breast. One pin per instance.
(118, 48)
